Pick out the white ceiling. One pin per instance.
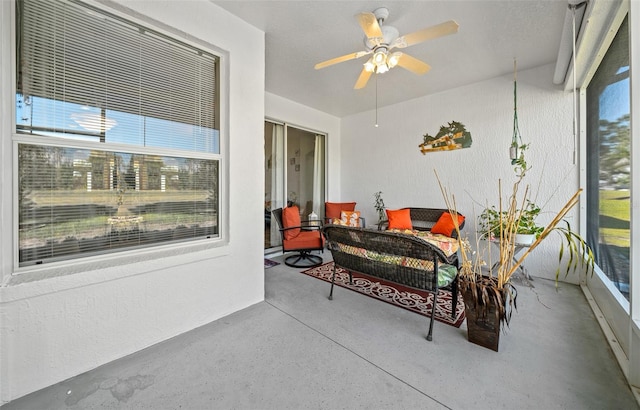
(300, 34)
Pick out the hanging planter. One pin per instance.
(489, 296)
(517, 148)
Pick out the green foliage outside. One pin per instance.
(615, 215)
(614, 174)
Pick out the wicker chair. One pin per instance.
(332, 211)
(302, 238)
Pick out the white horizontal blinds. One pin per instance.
(79, 202)
(155, 91)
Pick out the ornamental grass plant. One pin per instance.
(493, 285)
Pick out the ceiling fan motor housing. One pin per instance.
(389, 35)
(381, 13)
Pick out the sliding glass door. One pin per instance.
(294, 174)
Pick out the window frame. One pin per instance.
(615, 308)
(212, 247)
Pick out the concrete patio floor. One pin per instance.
(298, 350)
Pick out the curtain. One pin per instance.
(318, 176)
(277, 177)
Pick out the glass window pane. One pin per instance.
(78, 202)
(609, 162)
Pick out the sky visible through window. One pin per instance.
(55, 118)
(614, 100)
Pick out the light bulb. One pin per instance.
(379, 57)
(369, 66)
(393, 59)
(382, 68)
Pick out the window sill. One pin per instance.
(79, 273)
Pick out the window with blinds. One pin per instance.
(90, 84)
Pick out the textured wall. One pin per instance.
(83, 316)
(387, 158)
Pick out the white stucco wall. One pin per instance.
(387, 158)
(83, 316)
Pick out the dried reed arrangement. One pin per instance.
(496, 286)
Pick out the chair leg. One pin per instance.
(433, 312)
(333, 281)
(454, 297)
(303, 259)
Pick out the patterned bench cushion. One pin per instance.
(446, 273)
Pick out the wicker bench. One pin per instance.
(394, 257)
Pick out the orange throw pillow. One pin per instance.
(332, 209)
(399, 219)
(445, 225)
(290, 218)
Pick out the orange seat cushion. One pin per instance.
(445, 225)
(399, 219)
(291, 218)
(305, 240)
(332, 209)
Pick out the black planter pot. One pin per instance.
(484, 316)
(483, 324)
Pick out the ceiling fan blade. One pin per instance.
(369, 25)
(362, 79)
(442, 29)
(413, 64)
(341, 59)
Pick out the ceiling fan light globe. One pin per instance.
(382, 68)
(380, 56)
(369, 66)
(393, 59)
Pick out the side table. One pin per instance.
(517, 249)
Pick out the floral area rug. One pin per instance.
(414, 300)
(268, 263)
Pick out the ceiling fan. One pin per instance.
(381, 40)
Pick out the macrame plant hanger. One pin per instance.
(516, 140)
(573, 8)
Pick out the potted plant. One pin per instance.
(524, 226)
(527, 230)
(489, 295)
(379, 206)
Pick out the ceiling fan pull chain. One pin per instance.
(376, 124)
